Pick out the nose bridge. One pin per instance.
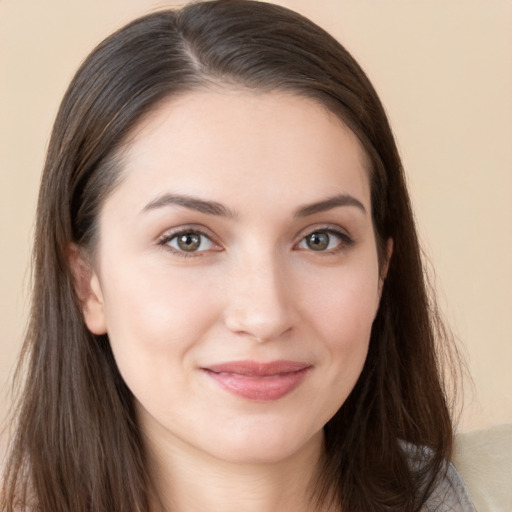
(260, 305)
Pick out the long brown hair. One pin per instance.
(77, 446)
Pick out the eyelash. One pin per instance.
(345, 241)
(165, 240)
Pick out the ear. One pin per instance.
(88, 290)
(385, 265)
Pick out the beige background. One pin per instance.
(443, 69)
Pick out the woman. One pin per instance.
(229, 307)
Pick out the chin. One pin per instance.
(264, 447)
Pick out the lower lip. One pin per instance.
(259, 388)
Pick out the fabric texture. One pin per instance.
(451, 495)
(484, 460)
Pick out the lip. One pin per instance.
(259, 381)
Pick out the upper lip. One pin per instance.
(258, 369)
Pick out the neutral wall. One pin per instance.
(443, 69)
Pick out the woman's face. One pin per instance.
(236, 272)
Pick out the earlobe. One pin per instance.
(88, 290)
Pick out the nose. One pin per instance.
(260, 303)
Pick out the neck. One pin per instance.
(188, 481)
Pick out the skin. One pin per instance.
(254, 290)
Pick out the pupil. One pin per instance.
(189, 242)
(318, 241)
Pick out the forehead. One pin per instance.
(234, 143)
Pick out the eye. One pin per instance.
(189, 242)
(324, 240)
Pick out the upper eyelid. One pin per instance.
(170, 233)
(191, 228)
(164, 239)
(346, 240)
(333, 228)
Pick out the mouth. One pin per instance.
(258, 381)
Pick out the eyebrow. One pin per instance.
(329, 204)
(192, 203)
(215, 208)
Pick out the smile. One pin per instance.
(259, 381)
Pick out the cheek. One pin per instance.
(341, 311)
(342, 303)
(153, 318)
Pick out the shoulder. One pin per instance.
(450, 494)
(484, 459)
